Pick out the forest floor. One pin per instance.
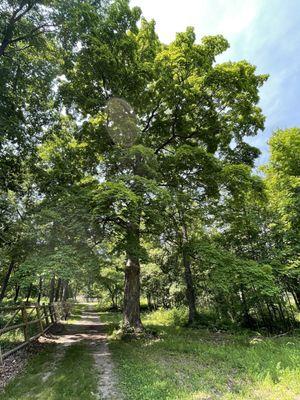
(177, 364)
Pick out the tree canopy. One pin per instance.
(125, 158)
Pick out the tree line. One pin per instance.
(124, 159)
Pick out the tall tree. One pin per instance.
(283, 186)
(182, 102)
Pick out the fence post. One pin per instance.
(25, 321)
(46, 314)
(38, 313)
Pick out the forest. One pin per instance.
(128, 174)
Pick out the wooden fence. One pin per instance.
(32, 320)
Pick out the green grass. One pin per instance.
(186, 364)
(179, 364)
(76, 311)
(47, 377)
(11, 339)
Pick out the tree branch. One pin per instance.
(30, 34)
(15, 17)
(173, 131)
(152, 115)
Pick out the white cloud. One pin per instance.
(227, 17)
(264, 32)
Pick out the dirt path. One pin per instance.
(91, 330)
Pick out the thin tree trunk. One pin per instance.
(61, 290)
(247, 319)
(131, 313)
(6, 279)
(70, 292)
(150, 306)
(29, 293)
(75, 292)
(57, 292)
(296, 294)
(52, 290)
(190, 291)
(40, 290)
(112, 297)
(17, 293)
(65, 291)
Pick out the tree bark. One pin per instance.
(297, 298)
(149, 301)
(57, 292)
(70, 292)
(190, 291)
(52, 290)
(61, 290)
(17, 14)
(65, 291)
(247, 319)
(8, 37)
(17, 293)
(40, 290)
(131, 313)
(29, 293)
(6, 279)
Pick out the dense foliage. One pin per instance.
(124, 157)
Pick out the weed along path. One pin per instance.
(75, 364)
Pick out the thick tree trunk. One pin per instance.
(131, 314)
(190, 291)
(132, 319)
(6, 279)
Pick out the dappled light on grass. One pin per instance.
(185, 364)
(56, 374)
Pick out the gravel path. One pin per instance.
(91, 330)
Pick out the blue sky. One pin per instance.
(264, 32)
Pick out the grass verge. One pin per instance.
(190, 364)
(51, 375)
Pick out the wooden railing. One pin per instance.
(30, 321)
